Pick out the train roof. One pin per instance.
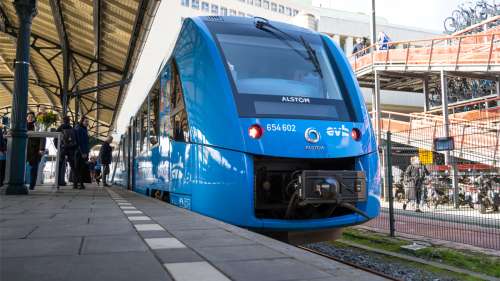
(251, 21)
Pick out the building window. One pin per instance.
(185, 3)
(232, 12)
(274, 7)
(258, 3)
(241, 14)
(195, 4)
(215, 9)
(250, 2)
(205, 6)
(295, 12)
(223, 11)
(281, 9)
(266, 4)
(288, 11)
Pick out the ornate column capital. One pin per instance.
(26, 9)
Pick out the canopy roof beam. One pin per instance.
(143, 7)
(97, 54)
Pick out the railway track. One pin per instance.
(357, 266)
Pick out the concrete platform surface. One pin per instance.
(114, 234)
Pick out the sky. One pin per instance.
(427, 14)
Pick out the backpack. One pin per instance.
(68, 138)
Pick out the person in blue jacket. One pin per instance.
(81, 152)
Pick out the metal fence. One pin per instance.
(451, 195)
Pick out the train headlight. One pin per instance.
(255, 131)
(356, 134)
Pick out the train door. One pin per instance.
(178, 132)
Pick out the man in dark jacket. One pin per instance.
(35, 150)
(3, 154)
(68, 146)
(414, 177)
(81, 152)
(105, 155)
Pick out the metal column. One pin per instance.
(373, 26)
(446, 131)
(497, 84)
(426, 93)
(16, 145)
(376, 92)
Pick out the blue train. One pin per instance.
(259, 124)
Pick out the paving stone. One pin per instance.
(195, 271)
(210, 237)
(131, 266)
(16, 232)
(270, 270)
(155, 234)
(177, 255)
(39, 247)
(132, 212)
(234, 253)
(109, 220)
(164, 243)
(113, 243)
(148, 227)
(135, 218)
(83, 230)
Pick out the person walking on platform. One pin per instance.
(35, 151)
(81, 153)
(105, 156)
(358, 47)
(3, 154)
(414, 178)
(68, 147)
(383, 41)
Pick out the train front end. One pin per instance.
(310, 152)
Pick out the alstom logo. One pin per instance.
(295, 99)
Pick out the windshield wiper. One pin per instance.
(312, 55)
(263, 24)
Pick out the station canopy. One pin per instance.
(85, 48)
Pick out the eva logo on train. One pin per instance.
(333, 131)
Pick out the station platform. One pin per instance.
(115, 234)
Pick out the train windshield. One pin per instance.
(279, 75)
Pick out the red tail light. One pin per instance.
(255, 131)
(356, 134)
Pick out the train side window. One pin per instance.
(178, 115)
(143, 126)
(154, 113)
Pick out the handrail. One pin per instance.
(480, 24)
(465, 103)
(444, 38)
(452, 120)
(475, 49)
